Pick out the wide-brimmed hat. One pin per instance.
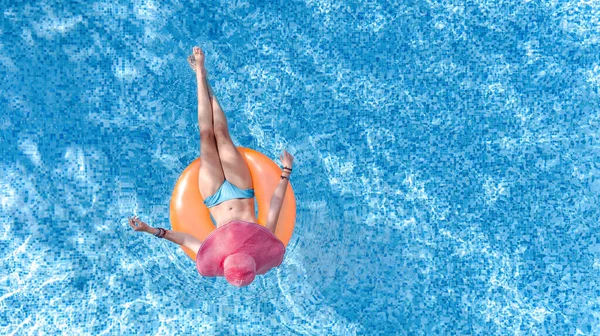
(239, 250)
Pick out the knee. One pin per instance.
(207, 133)
(221, 131)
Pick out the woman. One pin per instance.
(224, 178)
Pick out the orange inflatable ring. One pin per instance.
(189, 214)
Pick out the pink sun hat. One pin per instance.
(238, 251)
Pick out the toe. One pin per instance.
(192, 62)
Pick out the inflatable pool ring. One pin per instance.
(189, 214)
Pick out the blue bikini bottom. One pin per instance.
(226, 192)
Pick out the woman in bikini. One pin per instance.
(224, 178)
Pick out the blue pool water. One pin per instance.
(447, 170)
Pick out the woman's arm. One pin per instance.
(182, 238)
(278, 195)
(179, 238)
(276, 203)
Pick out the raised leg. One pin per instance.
(211, 174)
(234, 166)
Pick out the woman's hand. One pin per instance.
(286, 159)
(141, 226)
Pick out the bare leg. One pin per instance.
(210, 175)
(204, 105)
(233, 164)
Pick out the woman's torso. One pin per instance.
(234, 209)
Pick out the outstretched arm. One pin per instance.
(276, 203)
(279, 193)
(179, 238)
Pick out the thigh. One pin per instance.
(234, 166)
(210, 175)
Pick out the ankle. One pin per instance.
(202, 73)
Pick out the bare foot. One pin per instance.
(196, 61)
